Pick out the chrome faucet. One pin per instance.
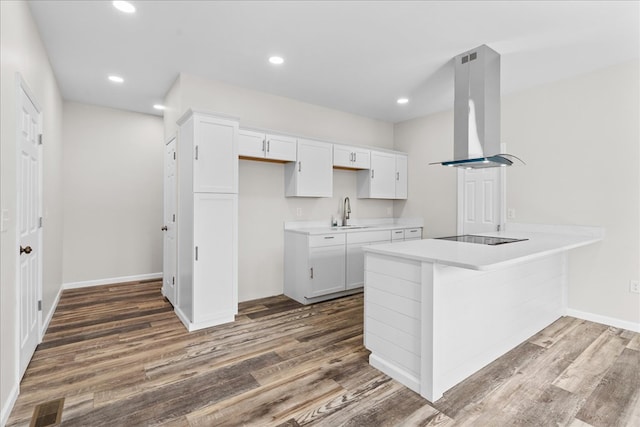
(346, 210)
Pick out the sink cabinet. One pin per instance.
(314, 266)
(318, 267)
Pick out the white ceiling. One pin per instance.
(355, 56)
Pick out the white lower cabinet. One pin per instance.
(314, 266)
(325, 266)
(355, 255)
(326, 270)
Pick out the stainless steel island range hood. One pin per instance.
(476, 113)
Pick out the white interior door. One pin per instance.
(480, 200)
(29, 226)
(169, 228)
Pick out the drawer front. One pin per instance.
(326, 240)
(397, 235)
(369, 236)
(413, 233)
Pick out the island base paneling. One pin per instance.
(461, 319)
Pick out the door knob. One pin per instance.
(27, 250)
(164, 228)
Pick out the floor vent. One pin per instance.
(47, 414)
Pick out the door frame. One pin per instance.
(23, 87)
(174, 300)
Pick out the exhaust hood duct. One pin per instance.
(476, 111)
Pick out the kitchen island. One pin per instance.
(436, 311)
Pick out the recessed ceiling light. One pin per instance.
(159, 107)
(276, 60)
(124, 6)
(116, 79)
(402, 100)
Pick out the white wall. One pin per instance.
(432, 188)
(21, 50)
(579, 138)
(113, 180)
(263, 209)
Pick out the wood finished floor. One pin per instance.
(120, 357)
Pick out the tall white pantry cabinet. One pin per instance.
(207, 227)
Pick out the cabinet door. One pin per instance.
(401, 176)
(314, 173)
(383, 175)
(361, 158)
(355, 266)
(342, 156)
(326, 270)
(281, 148)
(215, 256)
(251, 144)
(215, 154)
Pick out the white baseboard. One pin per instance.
(399, 374)
(605, 320)
(7, 406)
(111, 280)
(47, 320)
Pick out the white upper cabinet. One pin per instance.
(213, 142)
(266, 146)
(346, 156)
(312, 173)
(387, 178)
(401, 176)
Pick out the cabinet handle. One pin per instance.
(312, 272)
(329, 237)
(413, 231)
(196, 152)
(268, 145)
(351, 157)
(372, 174)
(264, 141)
(397, 176)
(299, 166)
(196, 253)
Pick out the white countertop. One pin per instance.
(486, 257)
(363, 225)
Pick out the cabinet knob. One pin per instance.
(164, 228)
(26, 250)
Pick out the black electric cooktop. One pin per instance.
(482, 240)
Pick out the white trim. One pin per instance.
(47, 320)
(395, 372)
(111, 280)
(605, 320)
(23, 88)
(11, 401)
